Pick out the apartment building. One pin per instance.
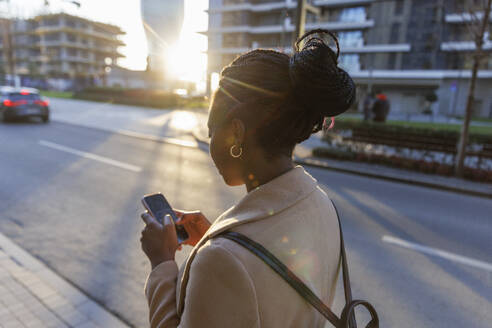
(405, 48)
(60, 46)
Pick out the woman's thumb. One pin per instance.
(168, 220)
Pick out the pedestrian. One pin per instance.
(266, 103)
(368, 103)
(381, 108)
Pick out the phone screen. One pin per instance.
(159, 207)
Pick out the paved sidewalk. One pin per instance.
(303, 155)
(31, 295)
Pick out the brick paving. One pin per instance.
(32, 295)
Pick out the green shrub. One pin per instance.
(140, 97)
(403, 163)
(398, 131)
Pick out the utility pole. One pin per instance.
(477, 58)
(303, 7)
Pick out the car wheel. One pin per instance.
(45, 119)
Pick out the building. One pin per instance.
(120, 77)
(162, 22)
(62, 50)
(405, 48)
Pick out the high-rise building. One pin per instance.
(162, 21)
(60, 46)
(405, 48)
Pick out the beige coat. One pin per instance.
(224, 285)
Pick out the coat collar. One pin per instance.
(262, 202)
(266, 200)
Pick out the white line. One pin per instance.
(95, 157)
(438, 252)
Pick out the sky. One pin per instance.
(126, 14)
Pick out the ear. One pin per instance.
(238, 130)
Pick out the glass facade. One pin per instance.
(162, 24)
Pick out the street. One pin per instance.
(70, 195)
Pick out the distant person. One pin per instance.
(368, 102)
(266, 103)
(381, 108)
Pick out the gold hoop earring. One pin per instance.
(236, 155)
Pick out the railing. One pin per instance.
(279, 28)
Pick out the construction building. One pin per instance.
(69, 51)
(404, 48)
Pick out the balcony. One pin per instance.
(342, 3)
(85, 32)
(288, 4)
(269, 6)
(269, 29)
(461, 18)
(464, 46)
(371, 48)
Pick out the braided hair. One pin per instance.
(284, 99)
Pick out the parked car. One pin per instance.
(22, 103)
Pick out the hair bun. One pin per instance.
(318, 83)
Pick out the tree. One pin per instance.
(478, 27)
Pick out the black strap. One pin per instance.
(293, 280)
(283, 271)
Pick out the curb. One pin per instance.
(324, 165)
(87, 306)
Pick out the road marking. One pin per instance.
(92, 156)
(438, 252)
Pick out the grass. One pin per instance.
(57, 94)
(431, 125)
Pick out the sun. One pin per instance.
(186, 61)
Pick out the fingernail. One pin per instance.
(167, 219)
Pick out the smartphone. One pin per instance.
(158, 206)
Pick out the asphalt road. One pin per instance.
(70, 195)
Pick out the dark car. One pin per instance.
(22, 103)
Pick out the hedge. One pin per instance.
(140, 97)
(403, 163)
(401, 131)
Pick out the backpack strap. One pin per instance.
(283, 271)
(295, 281)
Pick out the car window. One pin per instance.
(15, 96)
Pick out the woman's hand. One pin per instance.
(159, 242)
(195, 223)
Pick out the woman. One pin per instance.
(267, 103)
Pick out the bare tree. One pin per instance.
(477, 26)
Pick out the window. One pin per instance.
(52, 37)
(72, 52)
(395, 33)
(71, 37)
(350, 62)
(357, 14)
(351, 39)
(399, 7)
(392, 61)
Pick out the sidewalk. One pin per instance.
(32, 295)
(303, 155)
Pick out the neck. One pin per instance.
(261, 171)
